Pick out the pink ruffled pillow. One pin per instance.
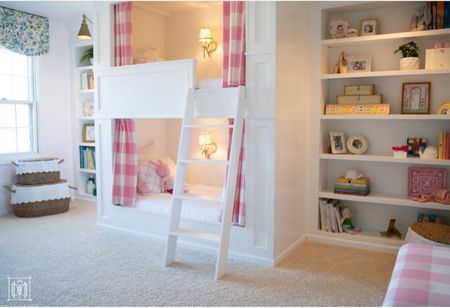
(149, 180)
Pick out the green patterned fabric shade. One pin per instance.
(24, 33)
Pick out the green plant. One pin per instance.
(87, 54)
(408, 50)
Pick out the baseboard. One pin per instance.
(281, 256)
(197, 247)
(352, 243)
(7, 211)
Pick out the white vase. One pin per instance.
(409, 63)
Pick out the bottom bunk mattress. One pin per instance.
(197, 210)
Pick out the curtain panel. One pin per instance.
(24, 33)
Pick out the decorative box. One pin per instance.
(371, 109)
(437, 58)
(368, 89)
(359, 99)
(426, 181)
(360, 186)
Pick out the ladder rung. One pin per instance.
(208, 126)
(187, 196)
(196, 234)
(204, 161)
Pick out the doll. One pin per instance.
(346, 222)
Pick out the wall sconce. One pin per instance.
(84, 33)
(208, 44)
(207, 146)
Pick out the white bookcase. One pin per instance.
(82, 93)
(388, 176)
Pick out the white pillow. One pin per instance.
(171, 165)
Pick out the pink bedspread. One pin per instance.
(421, 277)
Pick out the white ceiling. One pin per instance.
(62, 11)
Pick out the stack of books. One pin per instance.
(444, 145)
(359, 186)
(87, 157)
(330, 215)
(358, 99)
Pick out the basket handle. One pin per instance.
(73, 187)
(14, 163)
(8, 188)
(61, 161)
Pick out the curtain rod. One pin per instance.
(23, 12)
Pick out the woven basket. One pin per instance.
(432, 231)
(42, 208)
(38, 178)
(28, 174)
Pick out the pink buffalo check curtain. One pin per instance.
(125, 165)
(233, 76)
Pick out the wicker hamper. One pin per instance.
(40, 200)
(37, 171)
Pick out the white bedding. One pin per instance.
(204, 211)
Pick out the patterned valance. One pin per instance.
(24, 33)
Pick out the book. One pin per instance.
(434, 15)
(447, 14)
(369, 109)
(447, 146)
(322, 202)
(441, 145)
(440, 15)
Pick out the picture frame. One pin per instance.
(339, 27)
(88, 133)
(369, 26)
(444, 109)
(337, 141)
(416, 97)
(357, 144)
(359, 64)
(426, 181)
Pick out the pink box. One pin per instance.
(425, 181)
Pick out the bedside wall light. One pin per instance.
(208, 44)
(84, 33)
(207, 146)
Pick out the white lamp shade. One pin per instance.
(205, 35)
(204, 138)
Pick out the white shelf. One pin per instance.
(384, 37)
(86, 91)
(86, 144)
(429, 117)
(85, 68)
(387, 199)
(366, 236)
(393, 73)
(84, 170)
(385, 159)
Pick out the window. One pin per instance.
(17, 103)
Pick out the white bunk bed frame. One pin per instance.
(153, 91)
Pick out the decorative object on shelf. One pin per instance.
(359, 89)
(89, 133)
(430, 152)
(444, 108)
(400, 151)
(422, 217)
(352, 184)
(346, 221)
(87, 80)
(426, 181)
(358, 64)
(421, 20)
(369, 26)
(442, 196)
(87, 56)
(410, 56)
(352, 33)
(357, 144)
(370, 109)
(341, 66)
(209, 45)
(391, 230)
(415, 146)
(339, 27)
(87, 157)
(359, 99)
(88, 108)
(91, 186)
(437, 58)
(337, 141)
(207, 146)
(416, 97)
(84, 33)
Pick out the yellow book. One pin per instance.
(441, 145)
(367, 109)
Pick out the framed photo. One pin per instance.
(426, 181)
(359, 64)
(89, 133)
(338, 27)
(416, 98)
(357, 144)
(337, 141)
(369, 26)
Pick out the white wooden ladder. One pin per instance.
(208, 103)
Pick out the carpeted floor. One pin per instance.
(74, 262)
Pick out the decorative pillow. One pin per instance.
(172, 171)
(148, 179)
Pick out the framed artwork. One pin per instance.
(359, 64)
(416, 98)
(338, 27)
(89, 133)
(337, 141)
(426, 181)
(369, 26)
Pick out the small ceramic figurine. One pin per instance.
(342, 66)
(421, 19)
(346, 222)
(352, 33)
(352, 174)
(430, 152)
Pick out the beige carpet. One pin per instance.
(74, 262)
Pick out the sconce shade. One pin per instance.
(204, 138)
(205, 36)
(84, 33)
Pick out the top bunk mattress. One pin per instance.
(197, 210)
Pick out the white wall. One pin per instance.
(54, 110)
(291, 123)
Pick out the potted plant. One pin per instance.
(87, 56)
(410, 56)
